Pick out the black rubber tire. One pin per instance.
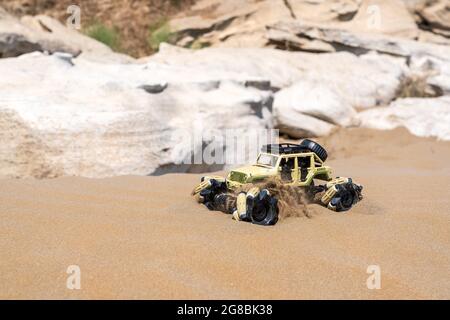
(343, 200)
(346, 197)
(263, 210)
(221, 201)
(208, 195)
(315, 147)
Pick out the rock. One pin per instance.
(437, 15)
(15, 39)
(42, 33)
(324, 11)
(51, 31)
(371, 80)
(233, 23)
(438, 56)
(386, 17)
(73, 116)
(242, 23)
(62, 117)
(237, 23)
(428, 36)
(436, 71)
(309, 108)
(272, 65)
(432, 17)
(298, 125)
(357, 42)
(424, 117)
(314, 98)
(319, 88)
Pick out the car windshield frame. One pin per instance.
(273, 163)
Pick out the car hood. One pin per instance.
(253, 171)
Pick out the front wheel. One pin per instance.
(263, 209)
(346, 196)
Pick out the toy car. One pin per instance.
(296, 165)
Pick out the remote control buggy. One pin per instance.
(297, 165)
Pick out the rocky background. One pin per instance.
(132, 20)
(70, 105)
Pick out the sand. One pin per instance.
(145, 237)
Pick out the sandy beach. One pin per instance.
(145, 237)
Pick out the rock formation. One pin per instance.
(69, 105)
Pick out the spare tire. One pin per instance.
(316, 148)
